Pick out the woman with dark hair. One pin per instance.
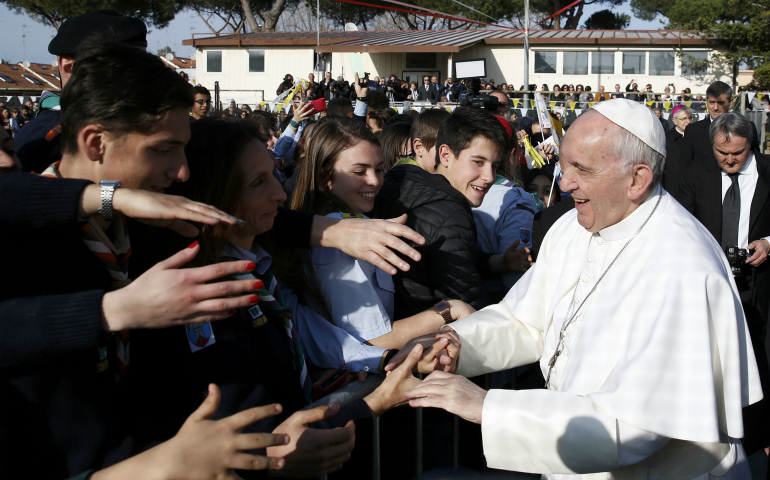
(341, 178)
(396, 140)
(539, 182)
(263, 353)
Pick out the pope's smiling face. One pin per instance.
(594, 177)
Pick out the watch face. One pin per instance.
(441, 306)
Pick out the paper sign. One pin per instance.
(356, 65)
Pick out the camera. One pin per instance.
(487, 102)
(737, 257)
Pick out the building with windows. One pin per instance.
(27, 81)
(249, 67)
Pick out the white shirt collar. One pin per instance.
(257, 255)
(629, 225)
(749, 168)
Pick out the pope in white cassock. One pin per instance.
(633, 314)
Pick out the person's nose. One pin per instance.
(182, 172)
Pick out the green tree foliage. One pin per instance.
(569, 19)
(607, 20)
(165, 50)
(53, 12)
(743, 25)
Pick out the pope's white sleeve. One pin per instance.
(542, 431)
(494, 340)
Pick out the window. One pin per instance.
(13, 67)
(256, 61)
(575, 63)
(56, 76)
(421, 61)
(545, 62)
(6, 79)
(633, 63)
(687, 63)
(43, 67)
(661, 63)
(32, 80)
(182, 60)
(214, 62)
(603, 62)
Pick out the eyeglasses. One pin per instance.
(683, 118)
(203, 102)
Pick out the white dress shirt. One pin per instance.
(747, 181)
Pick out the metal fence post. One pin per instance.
(376, 449)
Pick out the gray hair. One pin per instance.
(633, 151)
(686, 110)
(731, 123)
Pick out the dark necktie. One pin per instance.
(731, 212)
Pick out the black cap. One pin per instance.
(113, 25)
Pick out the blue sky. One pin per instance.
(20, 34)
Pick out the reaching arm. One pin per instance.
(419, 325)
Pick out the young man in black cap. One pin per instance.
(38, 145)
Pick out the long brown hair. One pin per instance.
(213, 155)
(330, 137)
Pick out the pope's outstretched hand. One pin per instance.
(454, 393)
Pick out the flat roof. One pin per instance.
(450, 40)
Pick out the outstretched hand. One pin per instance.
(454, 393)
(167, 295)
(516, 258)
(313, 452)
(205, 448)
(397, 382)
(440, 351)
(370, 240)
(168, 211)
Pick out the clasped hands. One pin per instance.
(442, 389)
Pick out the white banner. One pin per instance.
(750, 96)
(542, 112)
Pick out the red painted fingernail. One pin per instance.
(258, 285)
(253, 299)
(231, 312)
(251, 266)
(193, 245)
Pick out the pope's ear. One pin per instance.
(640, 182)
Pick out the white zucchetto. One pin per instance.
(636, 118)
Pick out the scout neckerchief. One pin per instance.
(406, 161)
(271, 298)
(501, 180)
(114, 254)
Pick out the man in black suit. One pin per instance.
(696, 144)
(427, 91)
(731, 198)
(682, 117)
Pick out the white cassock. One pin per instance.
(655, 367)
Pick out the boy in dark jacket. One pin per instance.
(470, 144)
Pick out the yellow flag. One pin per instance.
(649, 104)
(760, 96)
(689, 104)
(537, 160)
(557, 131)
(572, 105)
(278, 108)
(448, 109)
(591, 104)
(516, 102)
(667, 105)
(553, 105)
(395, 108)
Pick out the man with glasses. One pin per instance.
(202, 103)
(682, 116)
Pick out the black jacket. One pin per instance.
(443, 216)
(431, 95)
(673, 167)
(697, 143)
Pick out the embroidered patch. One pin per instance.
(258, 318)
(351, 215)
(199, 336)
(525, 235)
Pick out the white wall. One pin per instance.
(235, 80)
(504, 64)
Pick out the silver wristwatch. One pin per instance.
(108, 190)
